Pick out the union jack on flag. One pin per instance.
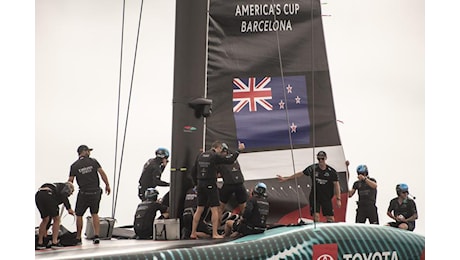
(251, 94)
(260, 108)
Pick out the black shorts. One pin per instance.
(411, 225)
(87, 200)
(244, 229)
(364, 212)
(325, 205)
(238, 189)
(46, 204)
(208, 195)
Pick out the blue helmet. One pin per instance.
(151, 194)
(402, 187)
(260, 189)
(162, 153)
(362, 169)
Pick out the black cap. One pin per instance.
(82, 148)
(321, 154)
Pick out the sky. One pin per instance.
(65, 73)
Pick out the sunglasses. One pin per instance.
(319, 159)
(405, 192)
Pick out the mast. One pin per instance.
(189, 84)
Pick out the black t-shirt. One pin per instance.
(367, 195)
(407, 208)
(151, 174)
(231, 173)
(206, 165)
(60, 193)
(85, 171)
(324, 181)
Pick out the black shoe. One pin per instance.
(58, 245)
(96, 240)
(40, 246)
(78, 241)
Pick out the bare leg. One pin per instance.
(196, 220)
(215, 218)
(330, 219)
(79, 226)
(228, 227)
(221, 208)
(56, 225)
(42, 229)
(241, 207)
(96, 224)
(316, 217)
(403, 226)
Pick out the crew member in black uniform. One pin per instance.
(233, 183)
(48, 198)
(254, 218)
(146, 212)
(151, 173)
(367, 192)
(206, 179)
(190, 206)
(327, 183)
(86, 170)
(402, 209)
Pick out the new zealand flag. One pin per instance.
(268, 113)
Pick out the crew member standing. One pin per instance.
(233, 183)
(86, 170)
(325, 182)
(206, 179)
(367, 192)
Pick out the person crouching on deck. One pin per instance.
(254, 218)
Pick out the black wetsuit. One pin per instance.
(144, 217)
(254, 216)
(151, 176)
(233, 183)
(206, 176)
(190, 205)
(366, 203)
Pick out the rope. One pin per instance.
(313, 113)
(287, 115)
(287, 112)
(127, 110)
(118, 112)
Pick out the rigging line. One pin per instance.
(118, 110)
(206, 72)
(313, 112)
(129, 101)
(287, 117)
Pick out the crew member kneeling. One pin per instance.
(145, 214)
(254, 218)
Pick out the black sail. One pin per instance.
(264, 66)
